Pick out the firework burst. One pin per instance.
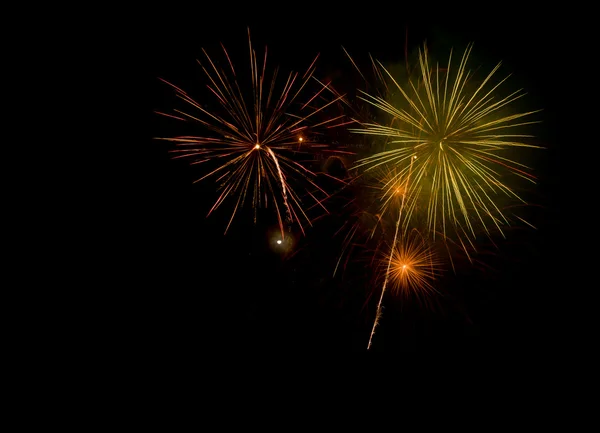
(459, 139)
(409, 268)
(254, 138)
(413, 266)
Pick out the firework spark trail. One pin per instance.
(389, 264)
(253, 131)
(284, 191)
(387, 272)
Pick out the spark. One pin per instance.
(373, 211)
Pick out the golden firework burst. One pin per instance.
(459, 138)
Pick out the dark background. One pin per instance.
(188, 287)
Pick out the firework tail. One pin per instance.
(387, 272)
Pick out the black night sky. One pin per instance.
(196, 289)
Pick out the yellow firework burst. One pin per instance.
(460, 140)
(254, 137)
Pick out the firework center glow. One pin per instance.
(279, 241)
(257, 146)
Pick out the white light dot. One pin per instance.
(279, 241)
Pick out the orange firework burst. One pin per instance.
(253, 138)
(413, 266)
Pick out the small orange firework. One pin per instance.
(413, 266)
(253, 136)
(410, 267)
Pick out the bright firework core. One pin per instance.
(257, 146)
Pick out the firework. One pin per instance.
(459, 139)
(413, 266)
(253, 138)
(404, 262)
(410, 267)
